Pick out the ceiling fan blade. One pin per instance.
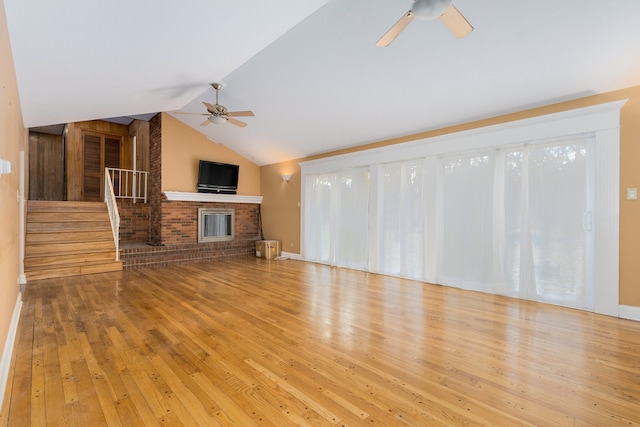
(395, 30)
(240, 113)
(456, 23)
(236, 122)
(205, 123)
(210, 107)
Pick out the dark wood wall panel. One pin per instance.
(76, 161)
(46, 167)
(140, 129)
(92, 155)
(118, 153)
(112, 152)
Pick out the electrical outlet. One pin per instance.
(632, 194)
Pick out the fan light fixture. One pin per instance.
(217, 119)
(427, 10)
(430, 9)
(218, 114)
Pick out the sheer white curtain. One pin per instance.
(497, 215)
(335, 220)
(548, 213)
(517, 221)
(514, 220)
(399, 245)
(317, 217)
(352, 219)
(466, 221)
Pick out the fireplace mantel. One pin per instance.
(210, 197)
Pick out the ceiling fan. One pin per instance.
(218, 114)
(428, 10)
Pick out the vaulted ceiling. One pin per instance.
(310, 69)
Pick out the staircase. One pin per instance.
(68, 239)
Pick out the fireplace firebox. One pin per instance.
(215, 225)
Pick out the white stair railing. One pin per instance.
(112, 207)
(128, 184)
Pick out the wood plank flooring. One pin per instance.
(255, 342)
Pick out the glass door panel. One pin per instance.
(548, 223)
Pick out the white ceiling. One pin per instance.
(310, 69)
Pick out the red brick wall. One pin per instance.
(134, 221)
(180, 236)
(180, 221)
(147, 256)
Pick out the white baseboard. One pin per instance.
(629, 312)
(5, 362)
(291, 255)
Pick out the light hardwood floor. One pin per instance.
(255, 342)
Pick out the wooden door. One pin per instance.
(99, 151)
(46, 167)
(112, 156)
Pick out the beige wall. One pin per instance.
(13, 138)
(183, 147)
(280, 208)
(281, 214)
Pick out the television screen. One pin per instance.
(217, 177)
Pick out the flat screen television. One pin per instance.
(221, 178)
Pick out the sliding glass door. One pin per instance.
(513, 220)
(518, 221)
(548, 222)
(398, 237)
(528, 209)
(466, 224)
(335, 218)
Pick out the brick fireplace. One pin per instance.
(172, 221)
(179, 235)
